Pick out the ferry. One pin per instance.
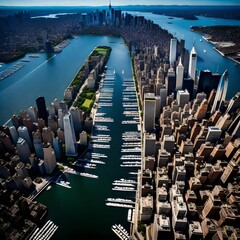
(63, 184)
(110, 204)
(120, 200)
(83, 174)
(124, 189)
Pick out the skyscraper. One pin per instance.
(49, 158)
(183, 97)
(221, 92)
(23, 150)
(170, 81)
(173, 51)
(192, 64)
(179, 75)
(42, 111)
(149, 112)
(70, 138)
(23, 133)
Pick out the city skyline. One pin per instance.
(114, 3)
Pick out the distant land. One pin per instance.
(225, 38)
(186, 12)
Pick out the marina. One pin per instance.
(120, 231)
(11, 70)
(46, 232)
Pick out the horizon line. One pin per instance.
(130, 5)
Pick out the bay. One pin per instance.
(211, 60)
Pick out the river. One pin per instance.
(80, 212)
(210, 59)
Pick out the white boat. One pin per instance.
(204, 50)
(49, 187)
(129, 217)
(120, 200)
(122, 205)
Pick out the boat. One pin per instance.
(120, 231)
(201, 40)
(129, 217)
(120, 200)
(122, 205)
(34, 55)
(204, 50)
(49, 187)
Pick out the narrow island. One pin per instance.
(225, 39)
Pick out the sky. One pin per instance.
(114, 2)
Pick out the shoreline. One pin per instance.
(220, 52)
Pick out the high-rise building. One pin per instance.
(42, 110)
(149, 112)
(202, 110)
(179, 75)
(173, 51)
(192, 64)
(69, 135)
(77, 119)
(57, 145)
(188, 83)
(221, 92)
(214, 134)
(183, 97)
(23, 150)
(32, 112)
(149, 144)
(207, 81)
(14, 134)
(230, 171)
(170, 81)
(49, 158)
(38, 147)
(161, 228)
(83, 138)
(23, 133)
(47, 135)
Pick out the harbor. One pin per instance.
(11, 70)
(98, 173)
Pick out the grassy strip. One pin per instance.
(78, 81)
(87, 97)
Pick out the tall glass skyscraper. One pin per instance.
(42, 111)
(69, 135)
(173, 51)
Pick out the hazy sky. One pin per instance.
(114, 2)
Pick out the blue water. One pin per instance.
(47, 76)
(210, 60)
(80, 212)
